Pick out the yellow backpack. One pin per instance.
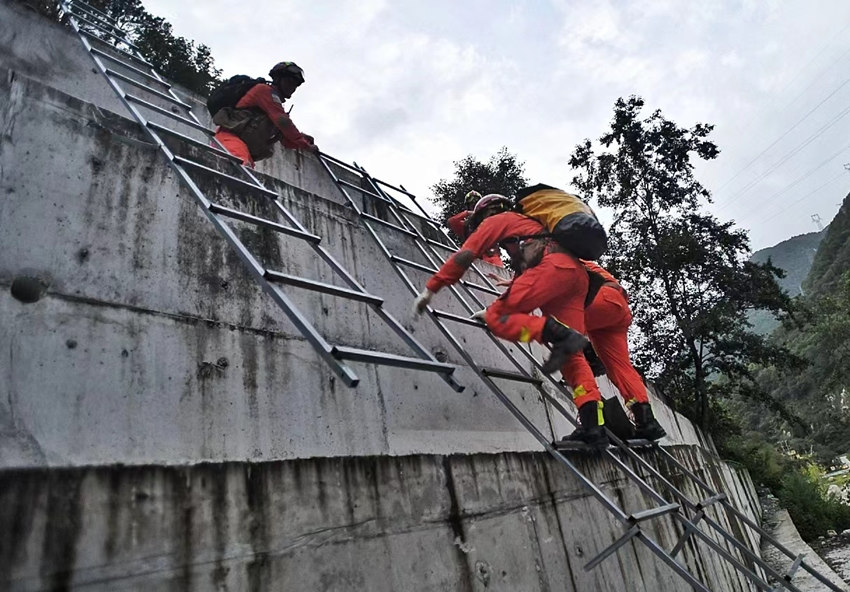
(571, 222)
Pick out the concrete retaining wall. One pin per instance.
(504, 522)
(163, 426)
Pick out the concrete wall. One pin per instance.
(504, 522)
(163, 426)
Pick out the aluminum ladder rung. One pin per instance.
(148, 89)
(413, 264)
(400, 189)
(432, 271)
(508, 375)
(229, 178)
(632, 532)
(105, 31)
(481, 288)
(91, 9)
(101, 18)
(440, 245)
(641, 443)
(132, 56)
(167, 113)
(386, 224)
(636, 517)
(276, 226)
(363, 191)
(720, 497)
(459, 319)
(330, 289)
(384, 359)
(133, 69)
(197, 143)
(339, 162)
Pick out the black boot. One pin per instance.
(646, 426)
(564, 341)
(592, 430)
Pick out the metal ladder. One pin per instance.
(405, 221)
(92, 25)
(127, 66)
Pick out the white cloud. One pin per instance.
(407, 88)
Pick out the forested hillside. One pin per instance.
(793, 256)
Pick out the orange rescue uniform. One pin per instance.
(262, 97)
(557, 286)
(457, 224)
(607, 320)
(489, 234)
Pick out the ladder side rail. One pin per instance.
(105, 30)
(690, 526)
(310, 333)
(389, 319)
(473, 365)
(539, 436)
(424, 244)
(89, 8)
(394, 324)
(678, 494)
(434, 258)
(630, 473)
(93, 13)
(726, 504)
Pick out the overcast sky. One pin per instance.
(405, 88)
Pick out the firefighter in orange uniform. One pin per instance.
(607, 320)
(555, 282)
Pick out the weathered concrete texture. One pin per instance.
(147, 345)
(51, 53)
(486, 522)
(783, 530)
(126, 253)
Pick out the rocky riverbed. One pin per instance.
(827, 552)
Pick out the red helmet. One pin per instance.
(492, 199)
(490, 204)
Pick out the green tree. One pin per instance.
(820, 393)
(502, 173)
(689, 279)
(177, 58)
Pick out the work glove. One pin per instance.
(423, 300)
(479, 316)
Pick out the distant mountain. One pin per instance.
(795, 257)
(833, 256)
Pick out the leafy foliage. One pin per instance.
(820, 392)
(797, 482)
(177, 58)
(502, 173)
(833, 257)
(689, 278)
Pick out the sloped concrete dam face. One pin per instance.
(164, 427)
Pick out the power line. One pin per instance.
(788, 131)
(796, 201)
(792, 101)
(785, 158)
(800, 179)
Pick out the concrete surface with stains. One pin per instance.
(164, 427)
(513, 521)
